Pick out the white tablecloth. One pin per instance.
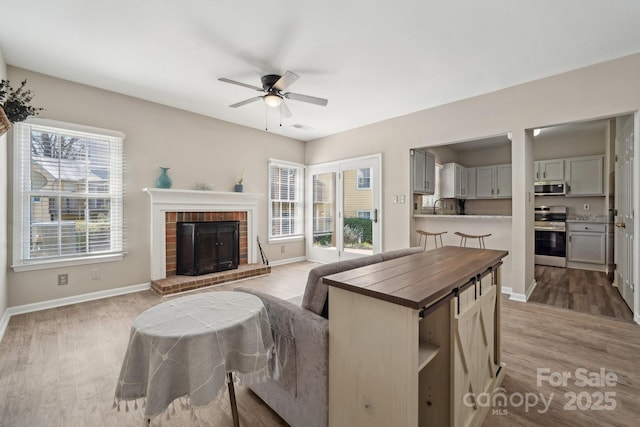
(185, 347)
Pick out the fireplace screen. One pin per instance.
(207, 247)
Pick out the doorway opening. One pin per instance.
(594, 161)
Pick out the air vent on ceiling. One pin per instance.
(301, 126)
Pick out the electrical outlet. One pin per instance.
(394, 200)
(403, 199)
(63, 279)
(586, 207)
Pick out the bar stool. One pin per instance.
(464, 237)
(426, 235)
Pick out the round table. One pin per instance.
(189, 347)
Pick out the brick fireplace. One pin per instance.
(168, 207)
(172, 218)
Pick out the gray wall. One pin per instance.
(598, 91)
(195, 147)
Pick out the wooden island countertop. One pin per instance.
(418, 280)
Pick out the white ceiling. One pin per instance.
(372, 60)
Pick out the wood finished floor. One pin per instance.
(580, 290)
(58, 367)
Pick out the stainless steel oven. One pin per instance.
(551, 235)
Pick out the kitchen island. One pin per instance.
(414, 340)
(498, 225)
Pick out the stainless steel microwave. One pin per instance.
(550, 188)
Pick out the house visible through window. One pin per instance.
(364, 179)
(69, 187)
(285, 200)
(366, 214)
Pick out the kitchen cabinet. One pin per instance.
(424, 172)
(471, 183)
(587, 243)
(453, 181)
(493, 182)
(549, 170)
(585, 176)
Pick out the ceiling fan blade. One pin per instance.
(233, 82)
(287, 79)
(306, 98)
(245, 102)
(284, 110)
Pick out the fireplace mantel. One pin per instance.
(170, 200)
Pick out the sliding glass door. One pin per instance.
(344, 200)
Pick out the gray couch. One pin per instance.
(299, 390)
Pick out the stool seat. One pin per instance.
(465, 236)
(426, 235)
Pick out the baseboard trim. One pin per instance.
(60, 302)
(4, 322)
(516, 296)
(288, 261)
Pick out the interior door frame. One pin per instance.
(636, 217)
(636, 212)
(338, 167)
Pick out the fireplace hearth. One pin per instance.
(207, 247)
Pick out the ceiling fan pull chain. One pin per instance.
(266, 121)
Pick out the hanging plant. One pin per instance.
(15, 105)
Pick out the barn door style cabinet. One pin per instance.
(410, 337)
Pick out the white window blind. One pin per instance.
(285, 200)
(68, 192)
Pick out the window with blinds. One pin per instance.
(285, 200)
(68, 192)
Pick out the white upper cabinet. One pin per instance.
(503, 181)
(471, 183)
(484, 182)
(493, 182)
(424, 172)
(549, 170)
(453, 182)
(585, 176)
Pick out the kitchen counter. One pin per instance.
(591, 219)
(418, 280)
(430, 216)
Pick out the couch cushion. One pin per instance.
(315, 293)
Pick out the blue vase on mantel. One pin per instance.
(163, 180)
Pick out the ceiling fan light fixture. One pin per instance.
(272, 100)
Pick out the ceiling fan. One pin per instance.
(273, 87)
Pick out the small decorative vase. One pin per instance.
(239, 188)
(163, 180)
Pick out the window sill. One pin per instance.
(273, 240)
(67, 262)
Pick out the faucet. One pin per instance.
(434, 205)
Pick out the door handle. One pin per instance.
(375, 215)
(621, 225)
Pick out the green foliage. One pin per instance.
(360, 225)
(16, 102)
